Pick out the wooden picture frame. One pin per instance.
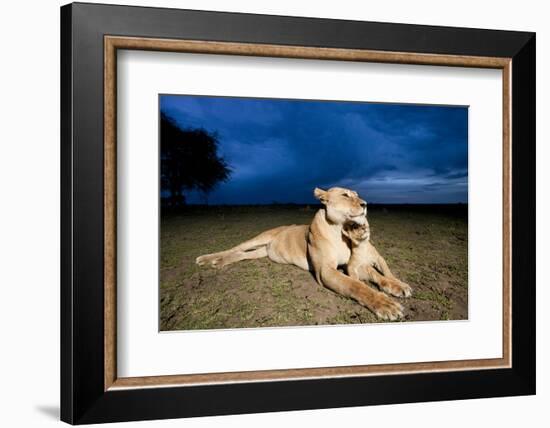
(91, 390)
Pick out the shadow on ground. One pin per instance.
(51, 412)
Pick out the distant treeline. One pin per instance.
(459, 209)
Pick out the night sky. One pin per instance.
(280, 150)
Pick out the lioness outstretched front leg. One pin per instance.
(383, 306)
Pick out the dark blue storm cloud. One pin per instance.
(280, 150)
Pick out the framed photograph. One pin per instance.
(267, 213)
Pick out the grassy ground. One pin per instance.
(426, 247)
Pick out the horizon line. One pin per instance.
(318, 204)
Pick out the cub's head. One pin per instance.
(357, 233)
(342, 205)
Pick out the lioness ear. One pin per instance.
(321, 195)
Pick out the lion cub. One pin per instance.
(366, 264)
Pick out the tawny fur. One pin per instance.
(366, 264)
(319, 248)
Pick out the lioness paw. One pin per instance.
(208, 259)
(406, 289)
(201, 260)
(219, 262)
(396, 288)
(387, 309)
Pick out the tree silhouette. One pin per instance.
(189, 160)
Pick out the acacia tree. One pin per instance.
(189, 160)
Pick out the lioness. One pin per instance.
(366, 264)
(319, 248)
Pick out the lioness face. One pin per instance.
(342, 205)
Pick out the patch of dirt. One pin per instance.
(427, 249)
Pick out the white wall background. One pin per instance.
(29, 226)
